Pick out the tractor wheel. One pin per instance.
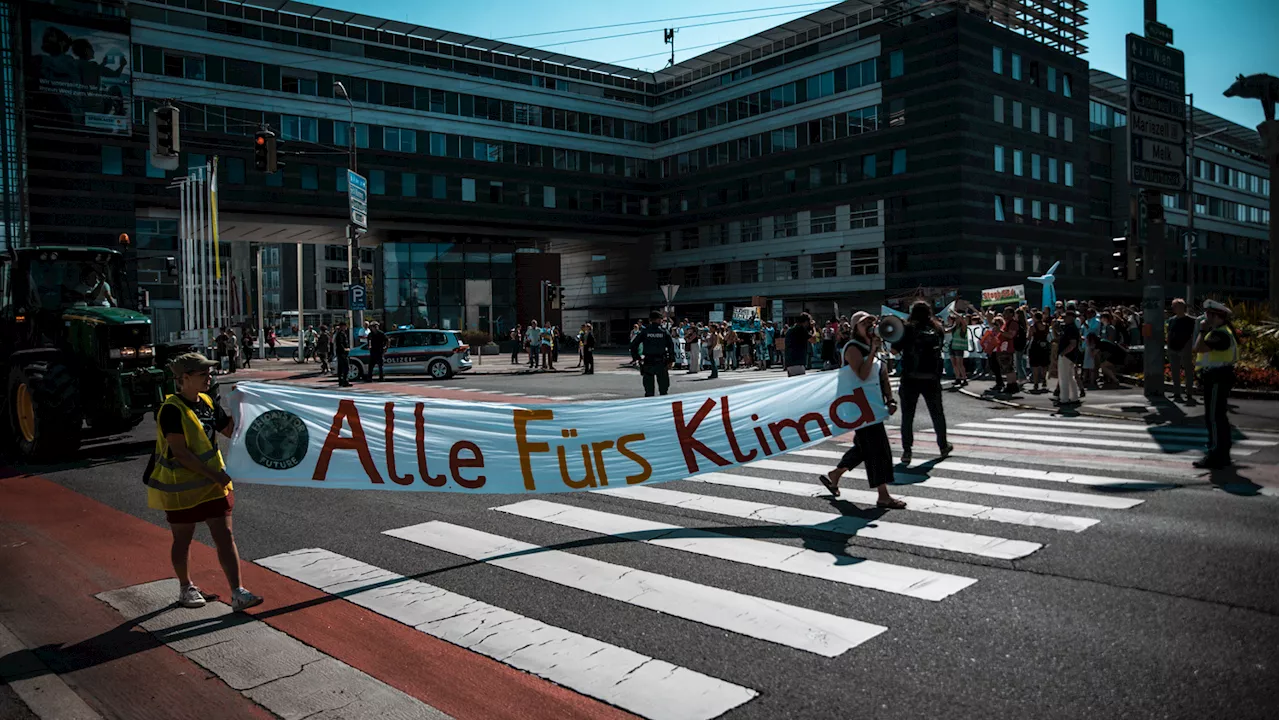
(44, 412)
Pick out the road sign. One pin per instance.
(355, 297)
(358, 200)
(1158, 32)
(1157, 128)
(1169, 83)
(1157, 177)
(1157, 113)
(1158, 152)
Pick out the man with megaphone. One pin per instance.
(920, 340)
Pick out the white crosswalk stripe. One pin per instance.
(797, 627)
(1038, 464)
(878, 529)
(638, 683)
(924, 584)
(917, 504)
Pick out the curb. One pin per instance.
(1240, 393)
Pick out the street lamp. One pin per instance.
(353, 247)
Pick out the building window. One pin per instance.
(1053, 79)
(822, 222)
(785, 226)
(749, 231)
(895, 64)
(113, 160)
(1017, 163)
(341, 133)
(439, 146)
(1000, 260)
(1035, 119)
(1035, 209)
(1053, 170)
(997, 60)
(719, 274)
(1069, 214)
(400, 139)
(291, 81)
(548, 196)
(1053, 125)
(1053, 212)
(297, 128)
(235, 171)
(1015, 66)
(868, 166)
(1068, 130)
(1017, 114)
(782, 139)
(999, 158)
(864, 215)
(689, 239)
(408, 185)
(335, 275)
(822, 266)
(999, 200)
(468, 190)
(864, 262)
(1035, 166)
(1018, 211)
(899, 161)
(693, 276)
(1017, 260)
(335, 299)
(599, 284)
(862, 120)
(718, 234)
(1069, 174)
(786, 269)
(749, 271)
(310, 177)
(377, 182)
(897, 112)
(997, 108)
(486, 151)
(1066, 85)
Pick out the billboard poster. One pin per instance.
(746, 319)
(80, 78)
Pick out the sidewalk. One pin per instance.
(1129, 403)
(287, 369)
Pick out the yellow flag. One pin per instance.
(213, 217)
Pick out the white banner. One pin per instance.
(310, 438)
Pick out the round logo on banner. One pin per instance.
(277, 440)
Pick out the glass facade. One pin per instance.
(425, 284)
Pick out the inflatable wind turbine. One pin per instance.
(1050, 296)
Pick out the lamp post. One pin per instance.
(355, 317)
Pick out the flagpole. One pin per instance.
(203, 251)
(188, 257)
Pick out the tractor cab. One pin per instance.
(71, 355)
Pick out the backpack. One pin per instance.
(922, 355)
(990, 341)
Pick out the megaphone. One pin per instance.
(891, 329)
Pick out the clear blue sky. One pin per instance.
(1220, 38)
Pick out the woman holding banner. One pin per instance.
(870, 442)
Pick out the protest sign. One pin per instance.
(1008, 295)
(746, 319)
(295, 436)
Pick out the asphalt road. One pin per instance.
(1165, 609)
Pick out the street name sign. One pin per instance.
(1157, 112)
(1158, 32)
(358, 199)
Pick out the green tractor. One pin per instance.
(75, 364)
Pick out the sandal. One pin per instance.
(831, 487)
(894, 504)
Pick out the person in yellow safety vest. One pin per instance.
(1216, 356)
(188, 480)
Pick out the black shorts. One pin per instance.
(207, 510)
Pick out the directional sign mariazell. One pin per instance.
(358, 194)
(1157, 115)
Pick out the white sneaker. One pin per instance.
(242, 599)
(191, 597)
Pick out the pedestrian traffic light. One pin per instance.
(560, 297)
(1120, 257)
(164, 131)
(552, 295)
(265, 152)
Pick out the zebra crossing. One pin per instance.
(987, 503)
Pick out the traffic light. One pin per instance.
(264, 152)
(144, 299)
(560, 297)
(165, 139)
(552, 295)
(1120, 257)
(171, 266)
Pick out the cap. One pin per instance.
(189, 363)
(1215, 306)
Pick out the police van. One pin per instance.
(440, 354)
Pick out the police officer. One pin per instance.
(659, 352)
(1216, 356)
(377, 349)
